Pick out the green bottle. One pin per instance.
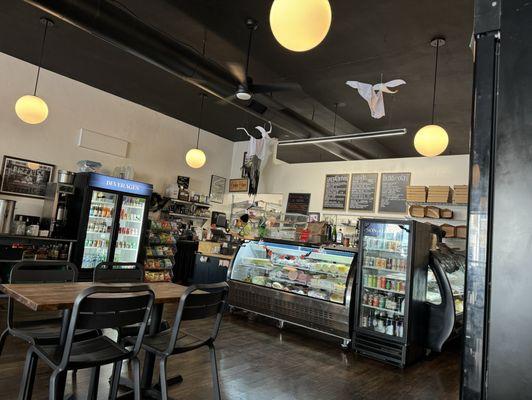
(334, 234)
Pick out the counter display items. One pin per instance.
(390, 313)
(291, 283)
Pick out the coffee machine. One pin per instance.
(55, 209)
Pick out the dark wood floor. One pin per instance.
(258, 361)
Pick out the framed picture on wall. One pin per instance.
(313, 217)
(20, 177)
(243, 164)
(217, 189)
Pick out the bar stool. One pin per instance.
(192, 306)
(97, 307)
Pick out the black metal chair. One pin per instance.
(47, 330)
(122, 272)
(192, 306)
(97, 307)
(118, 272)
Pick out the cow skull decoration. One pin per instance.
(373, 94)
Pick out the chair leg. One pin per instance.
(3, 338)
(214, 368)
(162, 379)
(93, 384)
(115, 380)
(135, 363)
(55, 381)
(28, 376)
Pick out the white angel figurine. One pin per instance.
(373, 94)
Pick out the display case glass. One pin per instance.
(384, 278)
(456, 280)
(129, 229)
(304, 270)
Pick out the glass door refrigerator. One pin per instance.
(109, 220)
(390, 314)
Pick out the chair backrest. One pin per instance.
(210, 303)
(44, 272)
(39, 272)
(102, 307)
(118, 272)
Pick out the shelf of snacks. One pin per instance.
(160, 250)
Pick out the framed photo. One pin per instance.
(313, 217)
(238, 185)
(20, 177)
(217, 189)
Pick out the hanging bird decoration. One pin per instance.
(373, 94)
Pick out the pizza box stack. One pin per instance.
(460, 195)
(416, 194)
(439, 194)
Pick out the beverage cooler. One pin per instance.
(390, 321)
(108, 216)
(296, 283)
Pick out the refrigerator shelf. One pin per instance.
(96, 217)
(133, 207)
(399, 253)
(393, 271)
(384, 290)
(399, 313)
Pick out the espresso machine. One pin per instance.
(55, 209)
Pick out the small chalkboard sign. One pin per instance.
(393, 192)
(362, 192)
(335, 195)
(183, 182)
(298, 203)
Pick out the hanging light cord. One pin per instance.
(41, 57)
(200, 119)
(435, 75)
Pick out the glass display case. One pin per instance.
(297, 283)
(306, 271)
(390, 320)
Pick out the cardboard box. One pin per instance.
(461, 231)
(439, 194)
(417, 211)
(450, 230)
(446, 213)
(416, 193)
(432, 212)
(461, 194)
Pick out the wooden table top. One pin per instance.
(58, 296)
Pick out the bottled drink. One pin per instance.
(334, 234)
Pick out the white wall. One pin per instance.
(157, 143)
(280, 177)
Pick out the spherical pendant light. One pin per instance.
(31, 109)
(431, 140)
(300, 25)
(195, 158)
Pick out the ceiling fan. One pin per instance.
(246, 88)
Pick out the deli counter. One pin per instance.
(302, 284)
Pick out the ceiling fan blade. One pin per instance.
(274, 87)
(237, 70)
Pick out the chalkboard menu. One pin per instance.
(298, 203)
(362, 193)
(335, 194)
(393, 192)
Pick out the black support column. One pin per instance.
(497, 360)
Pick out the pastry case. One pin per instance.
(296, 283)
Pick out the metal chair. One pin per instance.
(41, 331)
(97, 307)
(118, 272)
(122, 272)
(192, 306)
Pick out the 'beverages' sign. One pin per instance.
(120, 185)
